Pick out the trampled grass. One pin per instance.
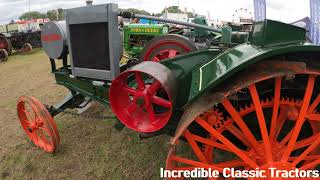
(91, 147)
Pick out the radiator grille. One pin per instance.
(89, 44)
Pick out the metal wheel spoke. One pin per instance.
(26, 121)
(44, 129)
(154, 87)
(306, 158)
(226, 142)
(210, 143)
(131, 108)
(161, 102)
(313, 117)
(195, 147)
(301, 118)
(236, 132)
(275, 111)
(310, 165)
(286, 139)
(29, 117)
(242, 125)
(305, 142)
(43, 138)
(280, 122)
(129, 90)
(314, 105)
(151, 113)
(139, 80)
(262, 122)
(308, 150)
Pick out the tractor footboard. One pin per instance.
(71, 101)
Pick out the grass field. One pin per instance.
(91, 148)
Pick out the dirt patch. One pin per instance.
(91, 148)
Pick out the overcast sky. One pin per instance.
(283, 10)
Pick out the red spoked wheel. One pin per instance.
(5, 44)
(38, 124)
(256, 127)
(166, 46)
(140, 99)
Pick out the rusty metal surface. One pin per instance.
(263, 70)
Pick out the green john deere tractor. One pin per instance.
(146, 42)
(136, 36)
(245, 106)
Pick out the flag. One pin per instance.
(315, 21)
(259, 10)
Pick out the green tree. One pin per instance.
(32, 15)
(52, 14)
(173, 9)
(137, 11)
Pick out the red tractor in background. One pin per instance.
(22, 36)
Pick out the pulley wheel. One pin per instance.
(142, 100)
(38, 124)
(166, 46)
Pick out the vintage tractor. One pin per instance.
(254, 105)
(12, 37)
(156, 42)
(136, 36)
(5, 47)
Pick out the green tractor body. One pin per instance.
(135, 36)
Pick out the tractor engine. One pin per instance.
(91, 40)
(91, 37)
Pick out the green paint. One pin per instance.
(84, 86)
(145, 32)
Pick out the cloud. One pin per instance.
(284, 10)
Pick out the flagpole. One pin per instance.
(29, 11)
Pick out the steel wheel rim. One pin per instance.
(38, 124)
(307, 159)
(135, 98)
(3, 55)
(26, 47)
(166, 52)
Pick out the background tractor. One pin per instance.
(156, 42)
(136, 36)
(22, 36)
(254, 105)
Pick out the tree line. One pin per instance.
(54, 16)
(51, 14)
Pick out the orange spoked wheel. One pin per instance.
(274, 122)
(38, 124)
